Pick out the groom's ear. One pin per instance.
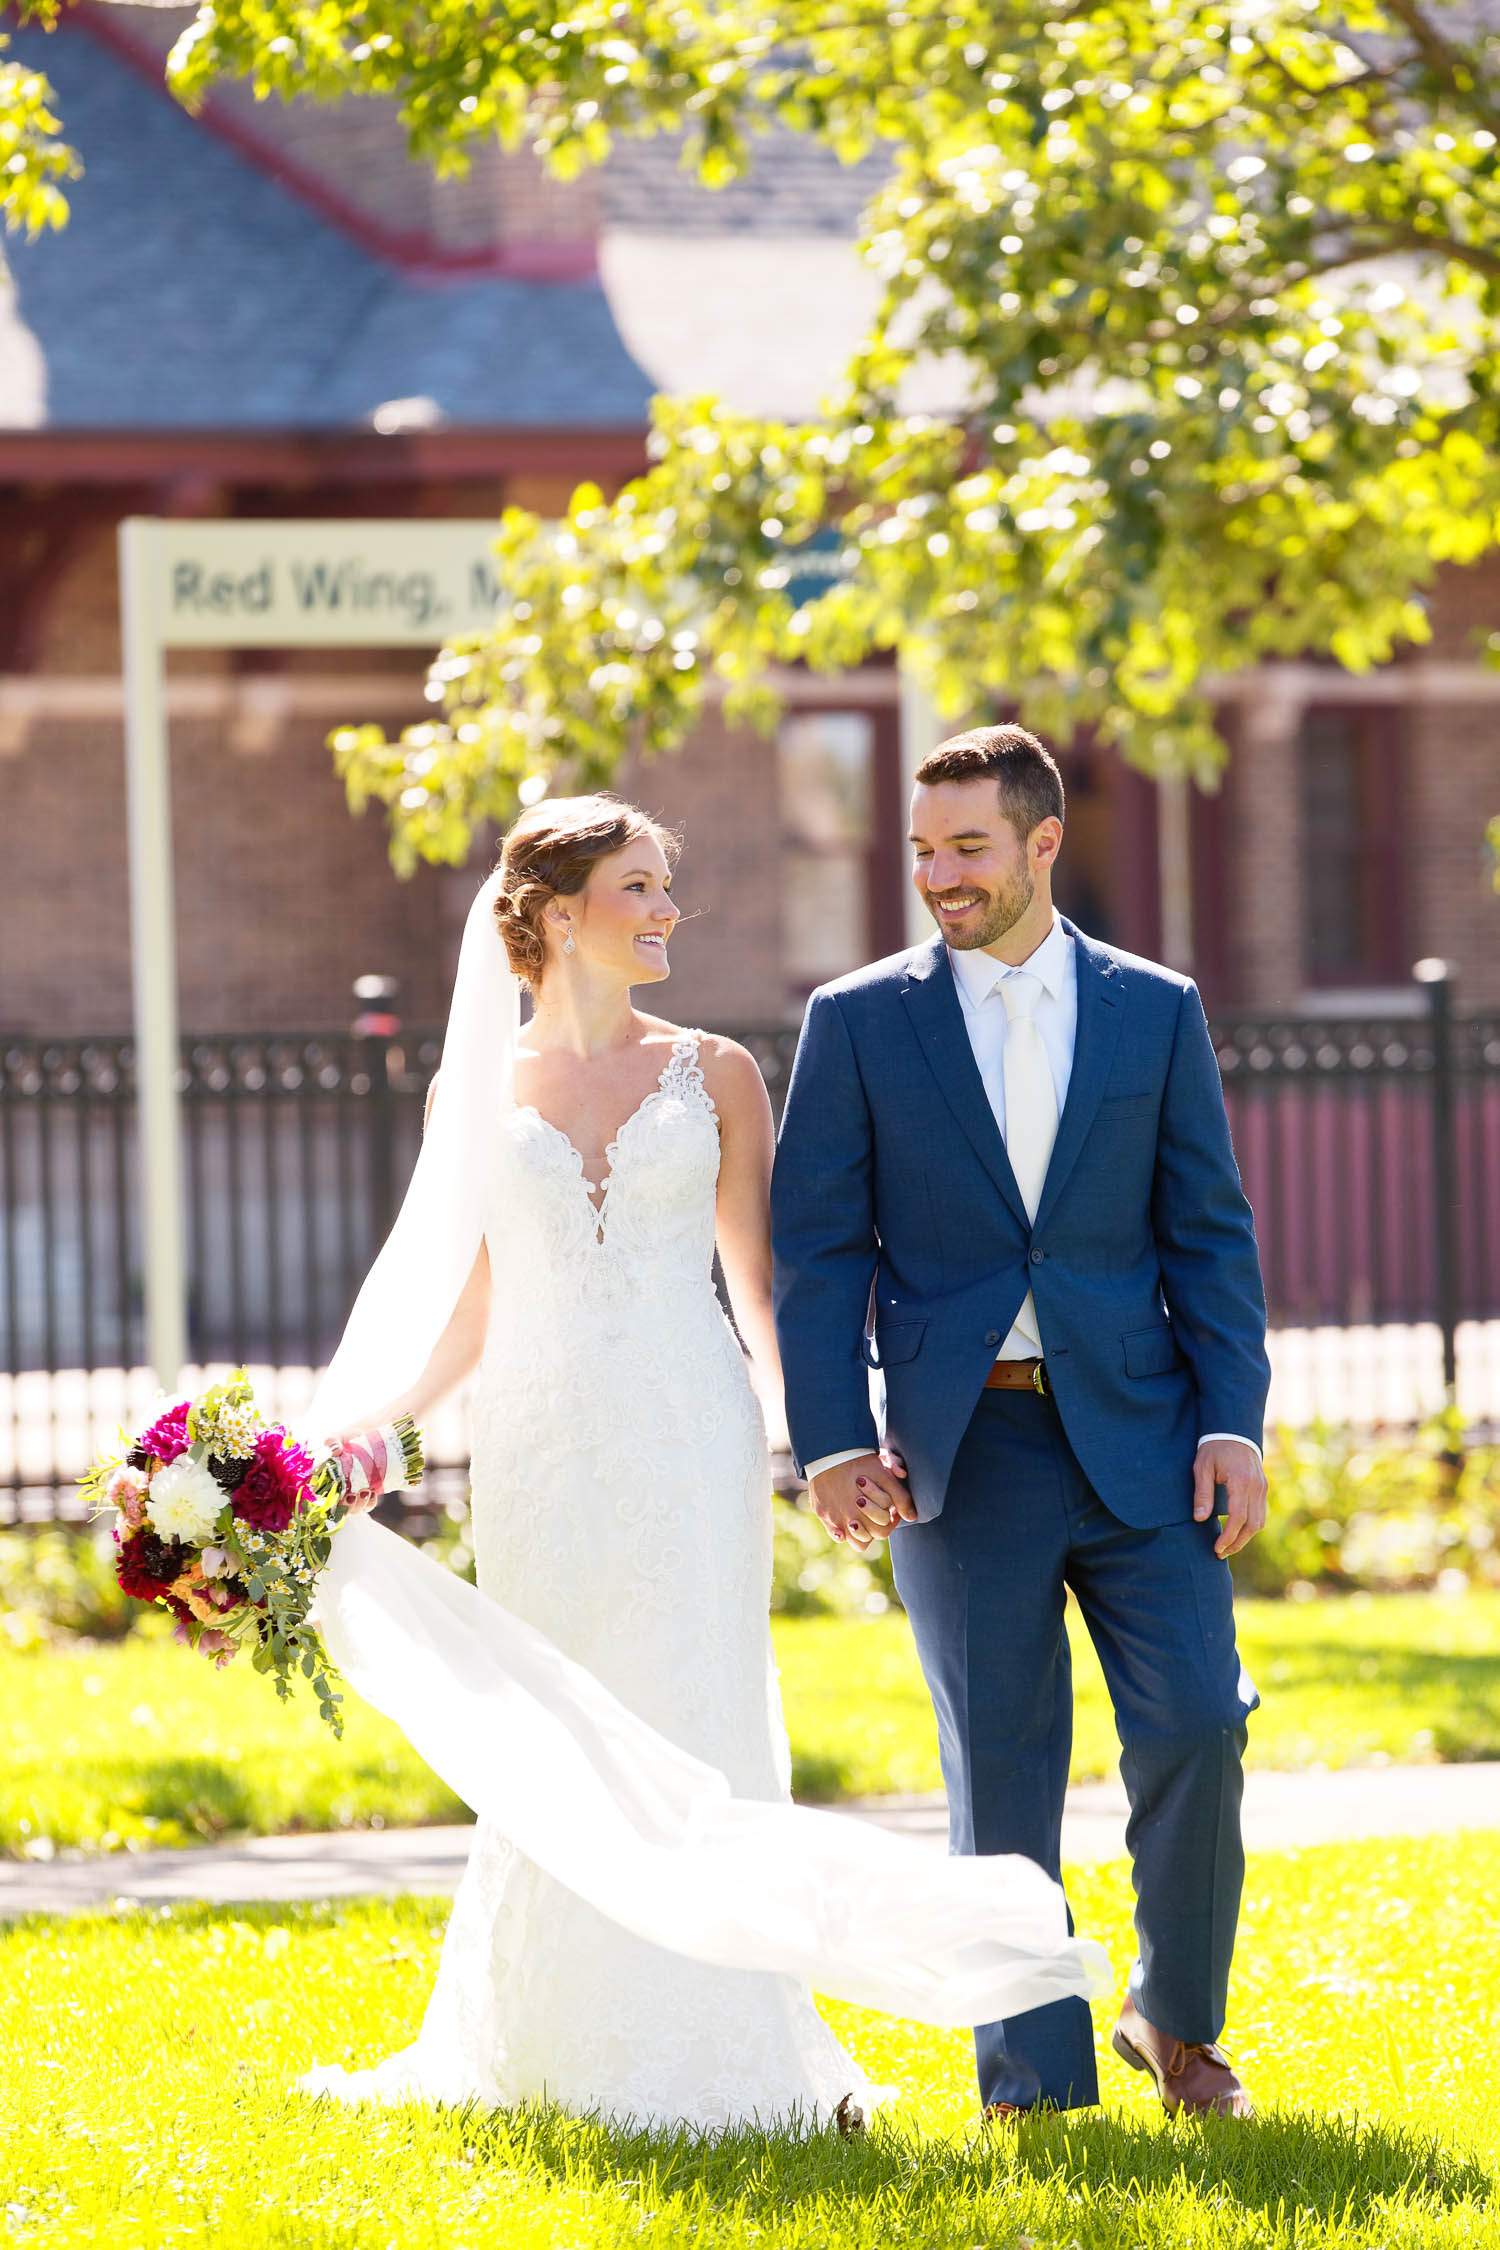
(1047, 836)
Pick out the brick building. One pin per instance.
(268, 311)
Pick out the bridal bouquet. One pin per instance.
(227, 1521)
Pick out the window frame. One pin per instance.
(1383, 901)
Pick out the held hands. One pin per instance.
(1225, 1461)
(357, 1502)
(863, 1500)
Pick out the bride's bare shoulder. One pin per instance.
(732, 1075)
(730, 1072)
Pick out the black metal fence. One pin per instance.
(1369, 1147)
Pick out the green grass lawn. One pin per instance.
(147, 2057)
(138, 1742)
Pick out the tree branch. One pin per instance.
(1451, 64)
(1472, 254)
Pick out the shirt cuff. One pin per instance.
(831, 1460)
(1238, 1440)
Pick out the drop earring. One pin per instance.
(568, 945)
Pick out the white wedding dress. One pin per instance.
(645, 1912)
(621, 1505)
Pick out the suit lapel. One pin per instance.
(1100, 1015)
(937, 1019)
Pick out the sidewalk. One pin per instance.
(1282, 1811)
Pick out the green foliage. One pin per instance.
(814, 1576)
(57, 1582)
(1372, 2131)
(1346, 1513)
(1216, 294)
(32, 160)
(111, 1746)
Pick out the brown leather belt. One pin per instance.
(1019, 1375)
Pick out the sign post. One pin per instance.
(294, 583)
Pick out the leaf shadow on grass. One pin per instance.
(1284, 2168)
(202, 1795)
(818, 1777)
(1465, 1687)
(191, 1800)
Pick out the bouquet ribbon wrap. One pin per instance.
(375, 1462)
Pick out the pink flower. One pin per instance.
(275, 1485)
(167, 1437)
(126, 1490)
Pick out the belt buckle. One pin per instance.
(1039, 1380)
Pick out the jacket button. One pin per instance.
(992, 1335)
(1037, 1257)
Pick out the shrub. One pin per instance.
(815, 1576)
(1350, 1511)
(60, 1579)
(1347, 1512)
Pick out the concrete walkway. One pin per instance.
(1282, 1811)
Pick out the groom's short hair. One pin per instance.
(1031, 787)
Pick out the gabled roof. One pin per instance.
(192, 291)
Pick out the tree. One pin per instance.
(32, 160)
(1217, 283)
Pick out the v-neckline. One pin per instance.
(611, 1150)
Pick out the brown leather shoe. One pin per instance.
(1001, 2113)
(1189, 2074)
(849, 2117)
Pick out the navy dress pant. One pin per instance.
(983, 1585)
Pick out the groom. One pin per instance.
(1004, 1180)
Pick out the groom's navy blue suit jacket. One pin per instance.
(901, 1240)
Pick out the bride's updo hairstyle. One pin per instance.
(550, 852)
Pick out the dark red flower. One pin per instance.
(147, 1564)
(275, 1485)
(168, 1437)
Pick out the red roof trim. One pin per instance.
(414, 254)
(291, 459)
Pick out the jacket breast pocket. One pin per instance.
(894, 1340)
(1125, 1105)
(1151, 1351)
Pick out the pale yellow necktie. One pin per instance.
(1030, 1109)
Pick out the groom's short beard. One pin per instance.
(1005, 911)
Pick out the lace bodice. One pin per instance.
(655, 1216)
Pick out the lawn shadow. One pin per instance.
(818, 1777)
(1467, 1686)
(1283, 2161)
(1281, 2164)
(200, 1795)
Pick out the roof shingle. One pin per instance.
(191, 291)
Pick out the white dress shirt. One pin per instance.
(978, 977)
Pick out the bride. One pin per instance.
(642, 1907)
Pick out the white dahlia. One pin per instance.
(184, 1501)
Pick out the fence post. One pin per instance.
(1437, 976)
(375, 1027)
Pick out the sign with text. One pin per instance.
(333, 582)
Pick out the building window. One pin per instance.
(1354, 923)
(826, 773)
